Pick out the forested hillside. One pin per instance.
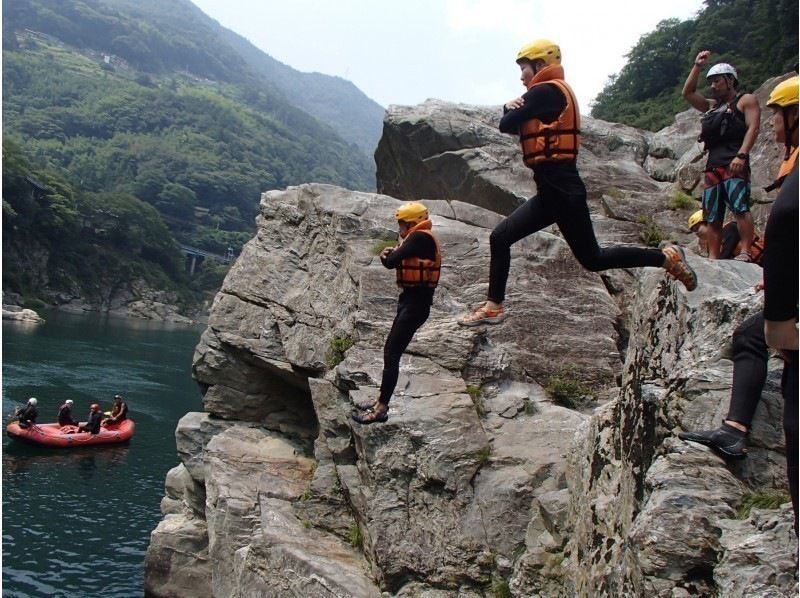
(759, 37)
(147, 110)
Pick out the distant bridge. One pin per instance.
(197, 255)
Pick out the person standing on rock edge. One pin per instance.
(547, 120)
(729, 129)
(781, 264)
(417, 261)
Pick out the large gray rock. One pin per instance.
(440, 150)
(649, 509)
(479, 483)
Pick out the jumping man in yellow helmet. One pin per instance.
(547, 120)
(417, 261)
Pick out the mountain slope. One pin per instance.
(127, 106)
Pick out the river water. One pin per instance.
(77, 522)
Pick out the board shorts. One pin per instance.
(723, 189)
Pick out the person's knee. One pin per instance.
(592, 262)
(499, 236)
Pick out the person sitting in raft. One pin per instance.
(65, 414)
(417, 261)
(731, 241)
(28, 414)
(119, 412)
(92, 424)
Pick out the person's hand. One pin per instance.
(759, 286)
(737, 167)
(385, 253)
(514, 104)
(702, 58)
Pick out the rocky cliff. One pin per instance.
(486, 480)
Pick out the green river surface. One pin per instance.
(76, 522)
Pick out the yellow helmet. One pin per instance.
(784, 94)
(696, 219)
(541, 49)
(411, 211)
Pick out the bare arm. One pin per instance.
(748, 105)
(690, 87)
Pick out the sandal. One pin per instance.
(484, 315)
(744, 257)
(369, 416)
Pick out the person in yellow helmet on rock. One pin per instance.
(781, 263)
(417, 261)
(731, 241)
(547, 120)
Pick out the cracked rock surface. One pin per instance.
(480, 483)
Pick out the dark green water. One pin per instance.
(77, 522)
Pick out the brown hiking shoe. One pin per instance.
(676, 266)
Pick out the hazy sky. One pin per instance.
(456, 50)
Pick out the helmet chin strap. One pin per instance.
(788, 130)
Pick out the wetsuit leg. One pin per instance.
(789, 385)
(410, 316)
(530, 217)
(750, 360)
(575, 223)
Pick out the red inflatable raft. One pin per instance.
(55, 436)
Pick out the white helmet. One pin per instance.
(33, 401)
(722, 68)
(69, 401)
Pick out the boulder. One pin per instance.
(482, 481)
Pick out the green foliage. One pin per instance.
(566, 389)
(759, 37)
(475, 393)
(383, 244)
(337, 348)
(615, 192)
(355, 537)
(682, 201)
(177, 121)
(500, 588)
(652, 234)
(98, 241)
(484, 455)
(770, 499)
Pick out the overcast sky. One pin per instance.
(457, 50)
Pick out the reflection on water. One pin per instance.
(76, 522)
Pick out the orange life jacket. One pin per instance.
(560, 139)
(418, 272)
(787, 166)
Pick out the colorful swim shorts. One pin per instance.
(723, 189)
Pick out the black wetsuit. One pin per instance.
(93, 424)
(28, 416)
(781, 264)
(560, 199)
(413, 309)
(65, 416)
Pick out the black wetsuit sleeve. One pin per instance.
(730, 239)
(417, 244)
(781, 254)
(544, 102)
